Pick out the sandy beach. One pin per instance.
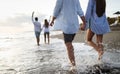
(112, 39)
(111, 44)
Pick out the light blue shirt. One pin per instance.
(66, 13)
(98, 25)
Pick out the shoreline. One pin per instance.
(112, 39)
(52, 58)
(80, 36)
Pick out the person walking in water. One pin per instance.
(66, 14)
(46, 31)
(37, 28)
(97, 24)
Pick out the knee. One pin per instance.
(88, 40)
(69, 47)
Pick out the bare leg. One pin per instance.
(38, 40)
(48, 38)
(97, 46)
(100, 45)
(90, 35)
(70, 51)
(99, 40)
(45, 38)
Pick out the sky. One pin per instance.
(17, 13)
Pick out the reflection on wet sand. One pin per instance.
(20, 55)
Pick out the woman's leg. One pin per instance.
(99, 40)
(45, 38)
(48, 38)
(100, 44)
(90, 35)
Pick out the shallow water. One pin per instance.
(19, 54)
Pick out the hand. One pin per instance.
(51, 24)
(82, 27)
(32, 13)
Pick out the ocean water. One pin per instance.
(19, 54)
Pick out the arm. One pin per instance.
(81, 14)
(89, 10)
(32, 16)
(42, 27)
(79, 9)
(57, 10)
(52, 21)
(82, 27)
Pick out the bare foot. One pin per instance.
(73, 70)
(100, 53)
(38, 44)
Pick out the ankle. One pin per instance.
(73, 63)
(100, 45)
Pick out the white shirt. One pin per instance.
(46, 29)
(37, 26)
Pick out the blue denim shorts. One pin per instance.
(37, 34)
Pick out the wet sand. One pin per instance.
(111, 45)
(112, 39)
(20, 55)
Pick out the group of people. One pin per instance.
(38, 29)
(66, 14)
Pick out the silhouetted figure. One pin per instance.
(37, 28)
(46, 31)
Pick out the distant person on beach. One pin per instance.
(46, 31)
(37, 28)
(66, 14)
(97, 24)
